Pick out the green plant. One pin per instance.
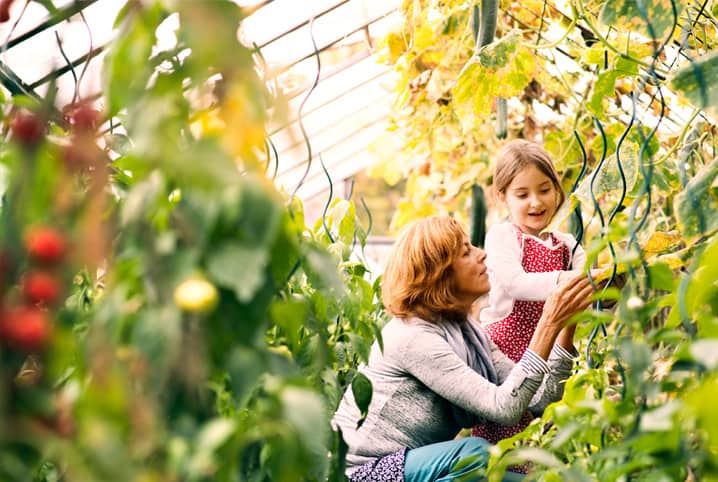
(621, 94)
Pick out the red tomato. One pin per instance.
(27, 329)
(84, 118)
(45, 244)
(27, 128)
(41, 287)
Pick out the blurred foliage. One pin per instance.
(206, 333)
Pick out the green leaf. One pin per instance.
(660, 418)
(126, 67)
(706, 352)
(536, 455)
(210, 438)
(141, 199)
(700, 292)
(696, 209)
(157, 334)
(662, 277)
(221, 17)
(608, 178)
(362, 391)
(290, 315)
(500, 69)
(697, 81)
(626, 15)
(240, 268)
(604, 87)
(322, 271)
(343, 215)
(215, 433)
(305, 412)
(261, 213)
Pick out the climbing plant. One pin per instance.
(622, 93)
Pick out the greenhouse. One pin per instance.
(328, 240)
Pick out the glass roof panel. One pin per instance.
(35, 58)
(342, 116)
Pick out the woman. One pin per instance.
(439, 372)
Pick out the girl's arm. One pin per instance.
(504, 263)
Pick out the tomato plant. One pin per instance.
(165, 313)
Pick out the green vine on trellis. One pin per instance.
(622, 94)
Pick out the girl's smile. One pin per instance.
(532, 200)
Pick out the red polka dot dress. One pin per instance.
(513, 334)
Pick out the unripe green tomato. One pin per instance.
(196, 295)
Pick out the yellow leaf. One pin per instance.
(660, 242)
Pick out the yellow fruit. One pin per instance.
(196, 295)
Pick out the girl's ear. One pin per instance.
(501, 196)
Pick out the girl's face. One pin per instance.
(470, 277)
(532, 200)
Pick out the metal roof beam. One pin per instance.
(68, 67)
(329, 45)
(304, 23)
(14, 84)
(62, 14)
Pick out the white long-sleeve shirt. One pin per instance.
(509, 281)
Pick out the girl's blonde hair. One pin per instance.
(419, 279)
(516, 155)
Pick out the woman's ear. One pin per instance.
(501, 196)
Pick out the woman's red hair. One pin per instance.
(418, 279)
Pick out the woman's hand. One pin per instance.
(568, 299)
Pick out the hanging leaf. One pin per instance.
(697, 81)
(239, 268)
(662, 241)
(656, 21)
(305, 412)
(290, 315)
(608, 180)
(695, 207)
(126, 69)
(605, 85)
(500, 69)
(362, 391)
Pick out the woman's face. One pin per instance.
(470, 277)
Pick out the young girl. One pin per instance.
(525, 263)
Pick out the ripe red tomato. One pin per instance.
(45, 244)
(84, 118)
(5, 10)
(41, 287)
(27, 329)
(27, 128)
